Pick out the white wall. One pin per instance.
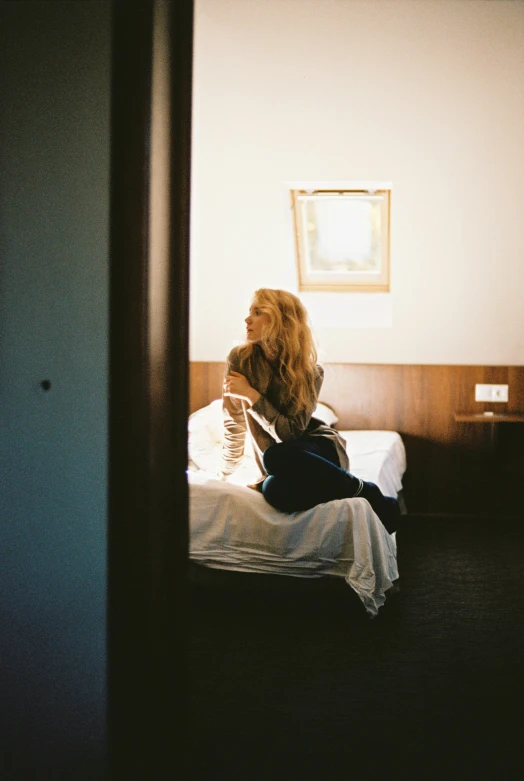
(427, 94)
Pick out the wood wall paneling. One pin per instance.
(205, 383)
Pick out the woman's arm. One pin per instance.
(234, 429)
(281, 426)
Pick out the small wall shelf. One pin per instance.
(491, 418)
(482, 417)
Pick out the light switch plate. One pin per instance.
(491, 392)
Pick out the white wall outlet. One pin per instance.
(491, 392)
(499, 392)
(482, 392)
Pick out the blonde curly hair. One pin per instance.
(288, 342)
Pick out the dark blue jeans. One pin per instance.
(304, 473)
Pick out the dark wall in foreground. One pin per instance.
(54, 217)
(453, 467)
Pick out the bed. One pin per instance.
(233, 528)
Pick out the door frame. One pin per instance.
(152, 49)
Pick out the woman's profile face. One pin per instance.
(256, 321)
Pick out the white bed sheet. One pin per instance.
(377, 456)
(234, 528)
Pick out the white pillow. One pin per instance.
(326, 414)
(205, 433)
(208, 422)
(205, 436)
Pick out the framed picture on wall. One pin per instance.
(342, 239)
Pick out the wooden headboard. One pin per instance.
(419, 402)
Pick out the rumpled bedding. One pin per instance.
(234, 528)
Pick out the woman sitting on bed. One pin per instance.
(271, 390)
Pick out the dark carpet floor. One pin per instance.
(290, 679)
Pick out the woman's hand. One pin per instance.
(237, 386)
